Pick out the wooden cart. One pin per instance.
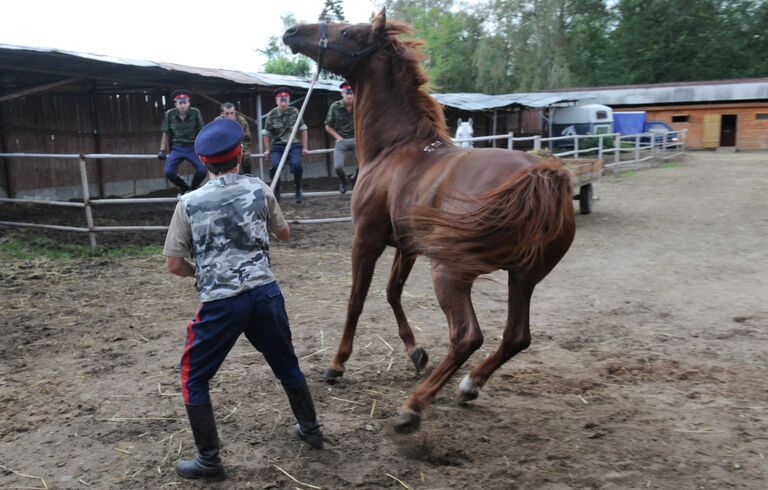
(585, 171)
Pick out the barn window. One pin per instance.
(680, 118)
(761, 116)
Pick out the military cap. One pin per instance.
(219, 141)
(345, 86)
(281, 92)
(180, 94)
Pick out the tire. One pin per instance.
(585, 199)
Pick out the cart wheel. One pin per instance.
(585, 199)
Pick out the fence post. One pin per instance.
(617, 148)
(509, 140)
(537, 142)
(600, 147)
(576, 146)
(87, 202)
(637, 148)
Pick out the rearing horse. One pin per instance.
(470, 211)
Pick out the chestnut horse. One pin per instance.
(470, 211)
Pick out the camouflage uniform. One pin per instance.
(245, 164)
(343, 122)
(278, 126)
(182, 138)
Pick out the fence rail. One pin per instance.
(643, 147)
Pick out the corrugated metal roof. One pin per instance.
(677, 93)
(481, 102)
(245, 78)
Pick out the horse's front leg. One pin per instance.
(401, 268)
(367, 247)
(454, 296)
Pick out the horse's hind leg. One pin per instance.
(401, 268)
(453, 294)
(366, 249)
(516, 338)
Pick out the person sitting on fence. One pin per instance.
(180, 127)
(340, 123)
(278, 125)
(464, 131)
(225, 226)
(228, 111)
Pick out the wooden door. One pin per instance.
(711, 138)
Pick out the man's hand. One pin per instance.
(162, 155)
(266, 153)
(304, 151)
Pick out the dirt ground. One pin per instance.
(647, 370)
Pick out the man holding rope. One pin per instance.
(277, 130)
(225, 226)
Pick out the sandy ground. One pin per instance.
(647, 369)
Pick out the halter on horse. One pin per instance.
(470, 211)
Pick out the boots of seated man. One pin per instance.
(207, 465)
(297, 183)
(272, 172)
(342, 180)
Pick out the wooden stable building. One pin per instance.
(57, 102)
(717, 114)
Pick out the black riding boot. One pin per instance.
(180, 183)
(297, 183)
(207, 465)
(197, 180)
(277, 187)
(307, 429)
(342, 180)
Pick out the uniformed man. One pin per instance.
(225, 227)
(277, 129)
(228, 111)
(180, 126)
(340, 123)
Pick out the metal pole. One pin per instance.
(637, 148)
(537, 142)
(495, 114)
(600, 147)
(509, 140)
(9, 177)
(273, 184)
(576, 146)
(87, 202)
(616, 149)
(259, 128)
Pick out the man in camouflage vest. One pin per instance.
(180, 126)
(228, 111)
(225, 227)
(340, 123)
(277, 129)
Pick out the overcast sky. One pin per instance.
(212, 34)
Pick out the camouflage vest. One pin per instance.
(230, 241)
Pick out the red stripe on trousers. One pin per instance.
(186, 356)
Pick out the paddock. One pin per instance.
(647, 368)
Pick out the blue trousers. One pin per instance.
(294, 157)
(260, 314)
(178, 154)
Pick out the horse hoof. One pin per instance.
(419, 357)
(407, 422)
(469, 389)
(332, 376)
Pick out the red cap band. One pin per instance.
(224, 157)
(181, 96)
(283, 94)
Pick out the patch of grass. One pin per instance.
(29, 247)
(627, 173)
(669, 165)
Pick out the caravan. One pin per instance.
(580, 119)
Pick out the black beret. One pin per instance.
(281, 90)
(181, 94)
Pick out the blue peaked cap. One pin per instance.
(218, 137)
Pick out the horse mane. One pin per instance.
(409, 72)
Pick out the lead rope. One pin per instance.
(320, 49)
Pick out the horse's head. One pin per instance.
(338, 47)
(464, 131)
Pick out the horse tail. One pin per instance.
(510, 227)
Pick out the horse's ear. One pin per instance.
(470, 121)
(459, 123)
(379, 24)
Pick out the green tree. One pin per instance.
(279, 58)
(333, 11)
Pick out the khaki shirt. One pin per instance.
(183, 131)
(341, 120)
(278, 125)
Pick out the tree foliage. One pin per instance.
(497, 46)
(333, 11)
(280, 60)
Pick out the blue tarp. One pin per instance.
(629, 122)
